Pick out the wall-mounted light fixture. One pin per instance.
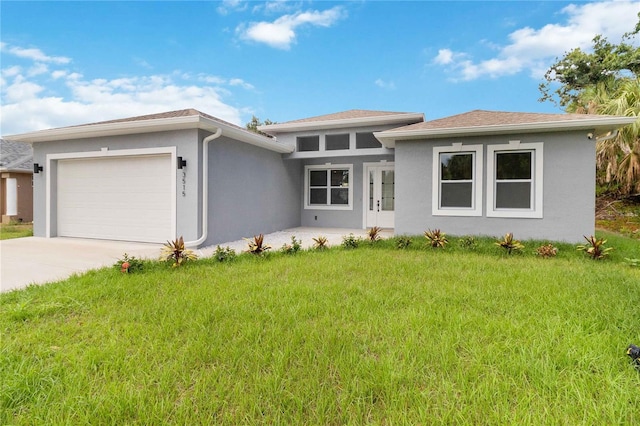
(37, 168)
(181, 163)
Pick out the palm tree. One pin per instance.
(618, 158)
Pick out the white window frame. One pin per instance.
(537, 181)
(328, 167)
(478, 161)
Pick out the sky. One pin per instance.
(67, 63)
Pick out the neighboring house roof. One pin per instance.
(480, 122)
(15, 156)
(351, 118)
(172, 120)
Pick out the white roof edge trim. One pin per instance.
(5, 170)
(106, 129)
(388, 138)
(148, 126)
(341, 123)
(256, 139)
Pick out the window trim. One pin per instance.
(477, 181)
(328, 168)
(537, 180)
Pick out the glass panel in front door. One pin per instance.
(371, 191)
(387, 189)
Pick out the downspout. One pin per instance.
(611, 136)
(205, 189)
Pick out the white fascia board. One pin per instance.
(108, 129)
(149, 126)
(601, 124)
(343, 123)
(257, 140)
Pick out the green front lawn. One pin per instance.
(369, 335)
(16, 230)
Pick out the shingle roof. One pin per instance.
(15, 155)
(170, 114)
(482, 118)
(345, 115)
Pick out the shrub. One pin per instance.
(468, 242)
(436, 238)
(373, 234)
(129, 264)
(177, 253)
(509, 244)
(403, 242)
(350, 241)
(292, 248)
(257, 245)
(320, 243)
(224, 254)
(546, 251)
(595, 248)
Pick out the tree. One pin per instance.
(255, 122)
(617, 158)
(579, 70)
(605, 81)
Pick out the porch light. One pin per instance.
(181, 163)
(37, 168)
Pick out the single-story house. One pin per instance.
(186, 173)
(16, 182)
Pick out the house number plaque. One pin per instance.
(184, 184)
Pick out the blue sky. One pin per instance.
(67, 63)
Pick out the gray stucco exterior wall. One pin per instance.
(568, 191)
(251, 191)
(186, 142)
(339, 218)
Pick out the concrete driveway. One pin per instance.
(24, 261)
(36, 260)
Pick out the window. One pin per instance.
(367, 140)
(308, 143)
(515, 180)
(328, 187)
(335, 142)
(457, 180)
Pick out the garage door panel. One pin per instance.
(122, 198)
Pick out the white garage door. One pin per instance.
(116, 198)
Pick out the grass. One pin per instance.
(619, 216)
(368, 335)
(15, 230)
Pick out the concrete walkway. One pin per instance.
(35, 260)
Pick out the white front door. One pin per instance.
(379, 199)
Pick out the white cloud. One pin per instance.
(240, 82)
(281, 32)
(389, 85)
(534, 50)
(38, 69)
(228, 6)
(445, 56)
(33, 54)
(20, 90)
(48, 99)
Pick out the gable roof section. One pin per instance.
(15, 156)
(480, 122)
(172, 120)
(351, 118)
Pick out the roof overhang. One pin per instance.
(601, 125)
(10, 170)
(148, 126)
(380, 120)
